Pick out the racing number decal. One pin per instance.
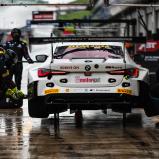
(124, 91)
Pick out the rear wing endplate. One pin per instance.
(47, 40)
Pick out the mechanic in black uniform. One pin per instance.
(8, 58)
(20, 47)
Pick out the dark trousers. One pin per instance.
(17, 72)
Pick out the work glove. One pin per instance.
(30, 61)
(15, 94)
(11, 94)
(18, 93)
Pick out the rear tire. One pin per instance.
(144, 93)
(37, 108)
(146, 100)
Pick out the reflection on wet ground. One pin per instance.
(100, 136)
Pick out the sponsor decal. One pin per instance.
(67, 90)
(124, 91)
(150, 46)
(150, 52)
(89, 46)
(52, 91)
(151, 58)
(78, 79)
(102, 90)
(69, 67)
(42, 15)
(113, 67)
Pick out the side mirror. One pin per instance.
(41, 58)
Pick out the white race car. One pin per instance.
(86, 76)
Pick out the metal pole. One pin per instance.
(128, 30)
(56, 124)
(42, 4)
(153, 20)
(124, 120)
(146, 20)
(137, 29)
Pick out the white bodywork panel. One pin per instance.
(96, 82)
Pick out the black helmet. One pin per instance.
(15, 32)
(10, 58)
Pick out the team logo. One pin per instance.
(79, 79)
(87, 68)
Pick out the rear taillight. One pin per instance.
(42, 72)
(133, 72)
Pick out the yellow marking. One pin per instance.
(51, 91)
(124, 91)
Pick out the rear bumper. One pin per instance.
(91, 101)
(88, 98)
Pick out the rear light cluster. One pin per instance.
(43, 72)
(133, 72)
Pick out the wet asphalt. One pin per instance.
(99, 136)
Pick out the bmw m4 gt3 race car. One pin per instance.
(86, 74)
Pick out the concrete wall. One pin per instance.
(150, 14)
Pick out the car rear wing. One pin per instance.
(84, 21)
(47, 40)
(82, 27)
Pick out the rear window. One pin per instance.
(88, 51)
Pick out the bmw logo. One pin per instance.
(87, 68)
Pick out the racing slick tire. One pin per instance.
(37, 108)
(153, 108)
(144, 97)
(146, 101)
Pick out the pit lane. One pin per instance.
(99, 136)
